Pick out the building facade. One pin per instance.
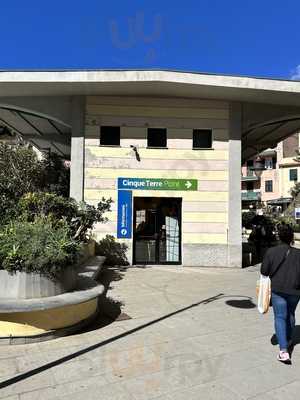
(166, 146)
(172, 159)
(274, 186)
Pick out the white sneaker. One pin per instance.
(284, 357)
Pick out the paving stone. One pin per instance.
(14, 397)
(69, 388)
(210, 391)
(78, 369)
(255, 381)
(215, 350)
(39, 381)
(264, 396)
(107, 392)
(158, 384)
(8, 367)
(287, 392)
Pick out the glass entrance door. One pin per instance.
(157, 230)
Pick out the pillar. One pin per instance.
(235, 201)
(77, 148)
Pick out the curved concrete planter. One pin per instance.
(22, 285)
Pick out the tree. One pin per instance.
(55, 175)
(22, 172)
(295, 190)
(19, 174)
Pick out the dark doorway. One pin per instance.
(157, 230)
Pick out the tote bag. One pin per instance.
(263, 290)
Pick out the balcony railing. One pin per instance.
(250, 176)
(251, 196)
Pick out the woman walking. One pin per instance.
(282, 264)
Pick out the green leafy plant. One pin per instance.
(247, 218)
(47, 204)
(295, 190)
(87, 216)
(22, 172)
(19, 174)
(37, 247)
(114, 252)
(80, 217)
(55, 175)
(41, 231)
(296, 228)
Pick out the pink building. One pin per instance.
(273, 186)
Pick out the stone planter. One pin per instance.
(297, 240)
(22, 285)
(297, 236)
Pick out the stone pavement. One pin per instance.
(192, 334)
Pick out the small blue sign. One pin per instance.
(124, 214)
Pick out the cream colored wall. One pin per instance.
(285, 164)
(286, 184)
(205, 217)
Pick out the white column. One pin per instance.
(77, 148)
(235, 201)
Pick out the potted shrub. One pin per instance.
(42, 234)
(80, 217)
(37, 259)
(40, 249)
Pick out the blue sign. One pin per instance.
(124, 214)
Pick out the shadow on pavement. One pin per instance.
(109, 309)
(243, 302)
(246, 303)
(62, 360)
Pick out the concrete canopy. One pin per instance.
(270, 108)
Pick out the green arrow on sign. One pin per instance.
(179, 184)
(157, 184)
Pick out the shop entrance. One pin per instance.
(157, 230)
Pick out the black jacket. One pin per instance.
(287, 278)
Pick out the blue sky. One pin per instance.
(256, 38)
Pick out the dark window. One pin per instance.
(250, 171)
(274, 162)
(110, 136)
(268, 186)
(157, 137)
(250, 186)
(269, 163)
(293, 175)
(202, 139)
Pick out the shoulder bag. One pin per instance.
(263, 288)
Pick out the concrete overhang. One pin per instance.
(270, 107)
(149, 83)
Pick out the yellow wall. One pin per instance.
(38, 322)
(286, 184)
(205, 210)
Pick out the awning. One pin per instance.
(281, 200)
(44, 132)
(270, 108)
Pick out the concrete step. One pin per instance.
(92, 267)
